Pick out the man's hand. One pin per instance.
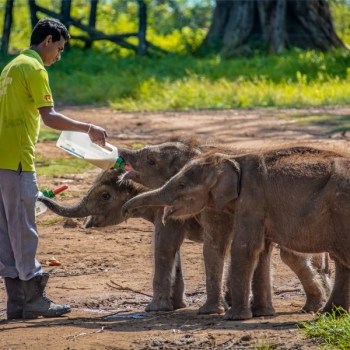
(97, 135)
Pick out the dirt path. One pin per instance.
(106, 274)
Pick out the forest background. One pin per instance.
(182, 79)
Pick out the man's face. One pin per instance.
(51, 52)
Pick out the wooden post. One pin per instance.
(65, 12)
(92, 20)
(142, 48)
(5, 40)
(33, 9)
(65, 16)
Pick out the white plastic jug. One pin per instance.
(80, 145)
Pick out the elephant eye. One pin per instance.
(105, 196)
(151, 161)
(182, 185)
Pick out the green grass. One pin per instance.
(60, 166)
(183, 82)
(331, 330)
(51, 221)
(47, 134)
(110, 76)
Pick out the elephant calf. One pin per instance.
(104, 201)
(297, 197)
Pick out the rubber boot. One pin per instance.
(15, 297)
(36, 303)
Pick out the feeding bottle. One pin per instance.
(80, 145)
(40, 207)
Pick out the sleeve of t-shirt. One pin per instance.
(39, 89)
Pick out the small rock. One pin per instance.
(71, 223)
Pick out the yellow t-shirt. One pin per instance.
(24, 87)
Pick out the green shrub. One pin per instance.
(331, 330)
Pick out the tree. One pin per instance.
(239, 26)
(7, 26)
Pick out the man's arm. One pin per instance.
(58, 121)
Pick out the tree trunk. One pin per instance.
(92, 20)
(7, 27)
(142, 47)
(33, 9)
(245, 25)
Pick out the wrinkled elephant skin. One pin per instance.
(296, 197)
(153, 166)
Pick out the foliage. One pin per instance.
(340, 10)
(295, 79)
(176, 26)
(333, 330)
(109, 75)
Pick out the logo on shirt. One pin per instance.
(47, 97)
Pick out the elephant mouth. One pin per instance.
(130, 173)
(167, 212)
(128, 167)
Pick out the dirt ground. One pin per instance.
(106, 274)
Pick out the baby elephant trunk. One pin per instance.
(147, 199)
(75, 211)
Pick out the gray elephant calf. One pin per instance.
(153, 165)
(103, 202)
(297, 197)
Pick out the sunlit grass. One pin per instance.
(47, 134)
(202, 93)
(50, 221)
(60, 166)
(295, 79)
(331, 330)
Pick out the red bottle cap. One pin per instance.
(60, 189)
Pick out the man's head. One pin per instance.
(48, 39)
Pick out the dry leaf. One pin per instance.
(54, 262)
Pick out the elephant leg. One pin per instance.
(261, 284)
(167, 242)
(301, 265)
(321, 263)
(247, 244)
(218, 230)
(227, 281)
(340, 296)
(178, 287)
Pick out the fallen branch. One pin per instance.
(85, 333)
(118, 286)
(287, 291)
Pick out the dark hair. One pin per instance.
(48, 26)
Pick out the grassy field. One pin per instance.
(294, 79)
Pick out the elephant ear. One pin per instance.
(227, 186)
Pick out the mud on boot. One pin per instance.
(15, 297)
(36, 303)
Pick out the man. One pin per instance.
(25, 95)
